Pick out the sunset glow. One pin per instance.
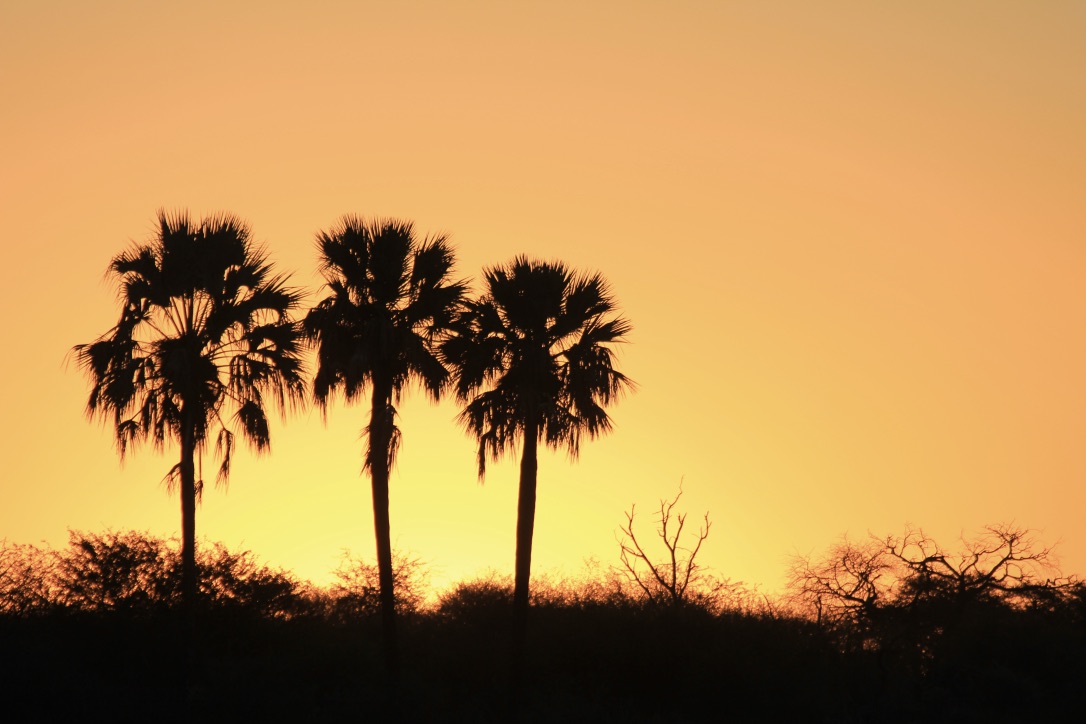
(850, 238)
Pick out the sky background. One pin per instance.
(850, 236)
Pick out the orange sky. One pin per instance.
(851, 238)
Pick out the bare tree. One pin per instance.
(853, 581)
(848, 583)
(1003, 562)
(678, 578)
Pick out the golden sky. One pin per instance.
(851, 238)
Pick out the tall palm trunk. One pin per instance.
(189, 585)
(523, 566)
(380, 434)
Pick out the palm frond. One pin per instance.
(224, 447)
(389, 300)
(535, 352)
(205, 324)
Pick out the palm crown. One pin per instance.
(533, 356)
(205, 329)
(390, 299)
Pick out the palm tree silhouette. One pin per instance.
(205, 336)
(533, 362)
(390, 301)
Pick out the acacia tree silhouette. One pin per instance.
(205, 330)
(390, 300)
(533, 363)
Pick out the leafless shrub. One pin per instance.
(846, 583)
(674, 578)
(1004, 562)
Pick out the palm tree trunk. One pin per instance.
(189, 586)
(380, 439)
(525, 529)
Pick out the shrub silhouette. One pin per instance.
(237, 582)
(137, 574)
(28, 583)
(357, 591)
(477, 600)
(117, 573)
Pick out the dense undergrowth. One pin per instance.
(94, 632)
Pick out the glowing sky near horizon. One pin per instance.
(851, 238)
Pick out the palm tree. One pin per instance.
(533, 363)
(390, 300)
(205, 336)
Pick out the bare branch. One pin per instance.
(678, 577)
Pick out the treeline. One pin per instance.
(898, 629)
(210, 337)
(137, 574)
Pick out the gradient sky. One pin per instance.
(851, 238)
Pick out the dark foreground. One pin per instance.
(894, 631)
(602, 662)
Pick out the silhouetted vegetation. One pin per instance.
(130, 627)
(533, 360)
(134, 574)
(390, 299)
(674, 577)
(91, 631)
(357, 591)
(989, 628)
(205, 335)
